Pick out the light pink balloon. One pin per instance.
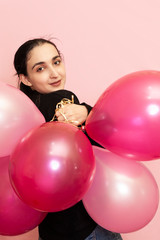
(52, 167)
(18, 115)
(126, 118)
(123, 196)
(15, 216)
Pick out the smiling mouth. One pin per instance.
(57, 83)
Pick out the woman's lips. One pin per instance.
(57, 83)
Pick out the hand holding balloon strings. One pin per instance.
(67, 111)
(59, 107)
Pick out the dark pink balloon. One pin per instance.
(124, 195)
(18, 115)
(52, 167)
(126, 118)
(15, 216)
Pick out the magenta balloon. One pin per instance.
(15, 216)
(52, 167)
(123, 196)
(126, 118)
(18, 114)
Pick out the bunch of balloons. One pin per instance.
(125, 120)
(49, 167)
(44, 167)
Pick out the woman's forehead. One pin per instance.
(42, 52)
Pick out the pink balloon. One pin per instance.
(15, 216)
(52, 167)
(126, 118)
(18, 115)
(123, 196)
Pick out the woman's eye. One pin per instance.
(40, 69)
(57, 62)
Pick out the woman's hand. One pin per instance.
(73, 113)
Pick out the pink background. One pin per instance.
(101, 41)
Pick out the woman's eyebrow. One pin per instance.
(39, 63)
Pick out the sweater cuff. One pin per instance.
(89, 108)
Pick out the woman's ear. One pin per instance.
(24, 80)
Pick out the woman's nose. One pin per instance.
(53, 72)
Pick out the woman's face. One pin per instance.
(45, 69)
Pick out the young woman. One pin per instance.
(42, 76)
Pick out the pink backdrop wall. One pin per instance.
(101, 41)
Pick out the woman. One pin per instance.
(42, 76)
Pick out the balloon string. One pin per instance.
(59, 107)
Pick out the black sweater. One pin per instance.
(73, 223)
